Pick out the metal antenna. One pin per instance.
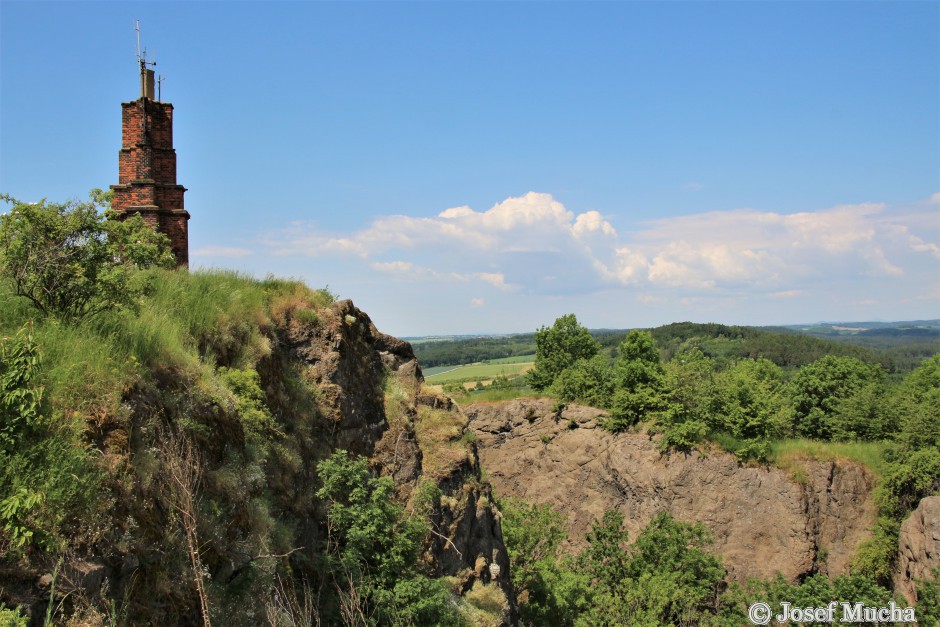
(160, 80)
(142, 54)
(146, 74)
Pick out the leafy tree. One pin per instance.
(817, 591)
(875, 557)
(918, 400)
(908, 480)
(914, 457)
(666, 577)
(368, 526)
(688, 386)
(928, 599)
(639, 377)
(819, 387)
(868, 414)
(374, 547)
(559, 347)
(605, 559)
(589, 381)
(549, 591)
(677, 580)
(751, 403)
(70, 261)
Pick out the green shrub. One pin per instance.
(819, 388)
(558, 347)
(46, 475)
(907, 481)
(588, 381)
(20, 393)
(683, 436)
(250, 402)
(374, 546)
(12, 618)
(874, 558)
(928, 599)
(70, 261)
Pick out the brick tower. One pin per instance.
(147, 168)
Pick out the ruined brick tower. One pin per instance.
(147, 167)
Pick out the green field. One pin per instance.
(478, 371)
(518, 359)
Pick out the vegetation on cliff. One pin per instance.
(758, 410)
(178, 455)
(667, 575)
(183, 448)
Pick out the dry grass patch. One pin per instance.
(485, 605)
(440, 435)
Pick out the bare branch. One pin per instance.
(448, 541)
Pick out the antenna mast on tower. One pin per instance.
(146, 74)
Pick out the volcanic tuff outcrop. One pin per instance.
(764, 521)
(376, 404)
(918, 547)
(331, 381)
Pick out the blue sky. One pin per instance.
(459, 167)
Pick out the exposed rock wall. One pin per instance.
(350, 361)
(342, 356)
(763, 520)
(918, 547)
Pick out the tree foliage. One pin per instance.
(549, 591)
(820, 387)
(70, 261)
(559, 347)
(667, 577)
(589, 381)
(639, 378)
(374, 547)
(914, 456)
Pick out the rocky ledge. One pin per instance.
(765, 520)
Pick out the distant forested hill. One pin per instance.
(899, 347)
(447, 352)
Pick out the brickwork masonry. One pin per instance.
(147, 173)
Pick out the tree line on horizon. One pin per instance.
(784, 347)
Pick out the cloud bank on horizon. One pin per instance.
(533, 248)
(464, 269)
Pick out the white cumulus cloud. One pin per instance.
(533, 244)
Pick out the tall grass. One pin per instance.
(185, 322)
(789, 454)
(871, 454)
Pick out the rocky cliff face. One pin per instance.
(763, 520)
(375, 404)
(326, 379)
(918, 547)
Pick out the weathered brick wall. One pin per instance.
(159, 128)
(176, 228)
(147, 172)
(155, 164)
